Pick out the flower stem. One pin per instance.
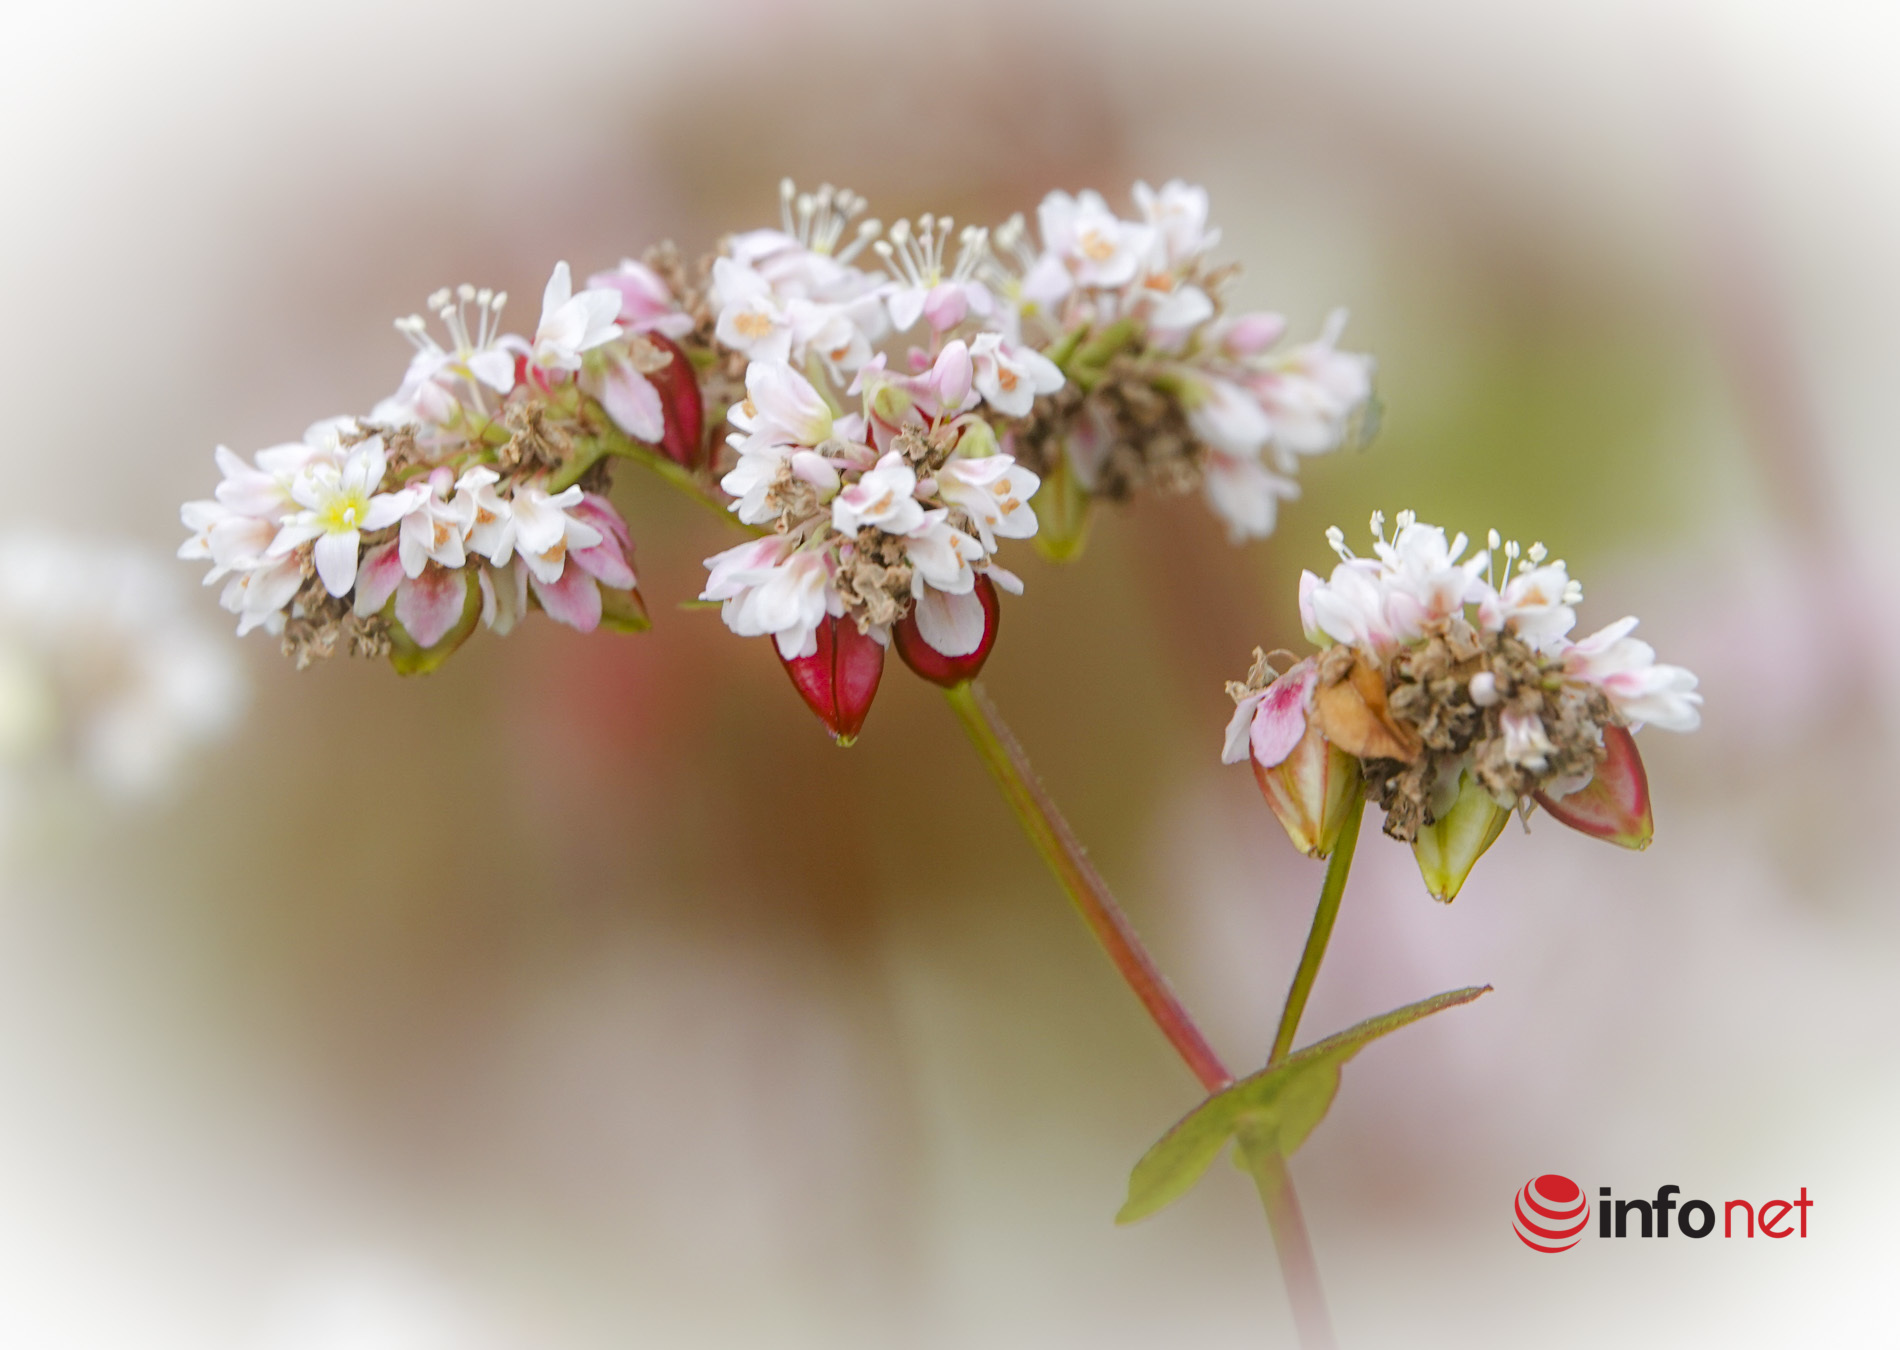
(1298, 1266)
(1057, 843)
(590, 450)
(1050, 833)
(1321, 932)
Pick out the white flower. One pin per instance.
(781, 408)
(1314, 393)
(1224, 415)
(1625, 669)
(339, 505)
(752, 319)
(1535, 604)
(491, 530)
(477, 358)
(883, 497)
(1245, 494)
(920, 287)
(1424, 579)
(1091, 243)
(786, 321)
(787, 600)
(572, 324)
(436, 528)
(1010, 376)
(544, 531)
(940, 556)
(257, 594)
(1178, 217)
(995, 492)
(227, 539)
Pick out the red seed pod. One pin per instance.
(684, 440)
(933, 665)
(1614, 805)
(839, 680)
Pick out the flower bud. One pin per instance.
(1310, 791)
(684, 439)
(839, 680)
(1614, 805)
(934, 665)
(1451, 845)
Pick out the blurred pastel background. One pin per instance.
(582, 995)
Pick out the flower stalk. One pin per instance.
(1324, 915)
(1003, 756)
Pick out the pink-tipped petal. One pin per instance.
(608, 560)
(1280, 721)
(377, 578)
(430, 605)
(632, 401)
(573, 600)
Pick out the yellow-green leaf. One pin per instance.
(1279, 1107)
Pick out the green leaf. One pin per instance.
(1277, 1107)
(409, 659)
(623, 611)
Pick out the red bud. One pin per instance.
(1615, 804)
(839, 680)
(683, 441)
(933, 665)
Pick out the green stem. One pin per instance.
(1050, 833)
(590, 450)
(1298, 1266)
(1334, 887)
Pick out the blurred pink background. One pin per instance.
(582, 995)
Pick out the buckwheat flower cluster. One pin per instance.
(884, 520)
(1165, 388)
(1449, 691)
(472, 494)
(106, 682)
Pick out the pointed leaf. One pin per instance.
(1279, 1106)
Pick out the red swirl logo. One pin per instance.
(1551, 1213)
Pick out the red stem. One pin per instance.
(1090, 894)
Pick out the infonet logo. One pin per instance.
(1551, 1214)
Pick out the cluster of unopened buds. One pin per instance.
(884, 430)
(1448, 690)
